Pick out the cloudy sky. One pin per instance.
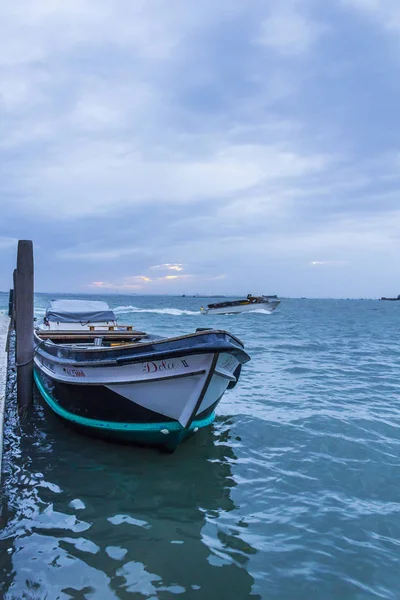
(184, 146)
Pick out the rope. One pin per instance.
(36, 348)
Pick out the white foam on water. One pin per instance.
(176, 312)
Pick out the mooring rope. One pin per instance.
(33, 355)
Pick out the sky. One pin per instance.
(230, 147)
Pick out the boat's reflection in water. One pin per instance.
(84, 518)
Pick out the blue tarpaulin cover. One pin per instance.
(79, 311)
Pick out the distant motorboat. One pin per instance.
(391, 299)
(248, 304)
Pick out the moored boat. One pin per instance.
(127, 385)
(248, 304)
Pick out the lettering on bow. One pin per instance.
(159, 366)
(74, 372)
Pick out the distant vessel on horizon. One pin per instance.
(391, 299)
(202, 296)
(250, 303)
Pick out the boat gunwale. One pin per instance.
(150, 342)
(144, 358)
(45, 349)
(54, 377)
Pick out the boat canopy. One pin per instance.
(79, 311)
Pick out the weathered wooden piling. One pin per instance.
(14, 306)
(23, 293)
(4, 325)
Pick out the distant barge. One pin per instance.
(391, 299)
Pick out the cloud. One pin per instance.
(169, 266)
(97, 176)
(288, 30)
(96, 255)
(128, 283)
(48, 27)
(183, 143)
(95, 137)
(152, 284)
(7, 242)
(327, 262)
(384, 12)
(107, 286)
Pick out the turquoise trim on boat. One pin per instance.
(151, 433)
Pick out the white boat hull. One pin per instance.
(171, 388)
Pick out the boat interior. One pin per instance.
(106, 338)
(113, 336)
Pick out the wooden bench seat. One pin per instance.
(91, 335)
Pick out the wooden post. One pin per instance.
(24, 323)
(14, 308)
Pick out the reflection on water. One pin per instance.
(82, 518)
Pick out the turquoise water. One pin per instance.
(293, 493)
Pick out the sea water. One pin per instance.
(293, 493)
